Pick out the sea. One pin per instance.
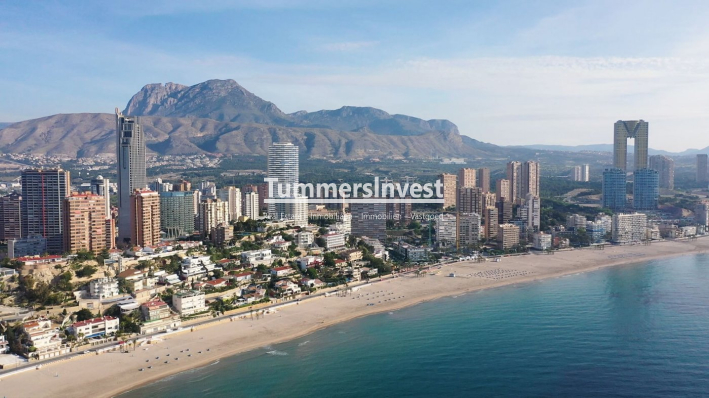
(630, 331)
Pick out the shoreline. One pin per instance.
(303, 319)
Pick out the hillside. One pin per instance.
(220, 116)
(89, 134)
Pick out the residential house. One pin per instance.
(312, 283)
(308, 261)
(257, 257)
(157, 317)
(287, 288)
(42, 339)
(104, 326)
(210, 285)
(280, 272)
(197, 267)
(351, 255)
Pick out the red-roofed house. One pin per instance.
(280, 272)
(95, 327)
(213, 284)
(242, 276)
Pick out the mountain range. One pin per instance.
(608, 148)
(220, 116)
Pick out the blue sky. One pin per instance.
(515, 72)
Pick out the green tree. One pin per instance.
(64, 282)
(83, 315)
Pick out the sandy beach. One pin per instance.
(111, 373)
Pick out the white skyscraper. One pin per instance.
(251, 209)
(232, 196)
(283, 166)
(130, 156)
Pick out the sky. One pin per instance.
(508, 72)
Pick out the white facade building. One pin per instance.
(232, 196)
(196, 265)
(102, 288)
(189, 302)
(95, 327)
(333, 241)
(542, 241)
(629, 228)
(251, 209)
(446, 230)
(304, 238)
(257, 257)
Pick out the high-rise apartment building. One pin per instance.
(530, 179)
(182, 186)
(251, 207)
(232, 196)
(622, 131)
(507, 236)
(212, 212)
(399, 212)
(614, 189)
(531, 213)
(665, 166)
(581, 173)
(469, 229)
(514, 176)
(449, 189)
(85, 223)
(629, 228)
(369, 219)
(446, 231)
(483, 179)
(467, 178)
(490, 219)
(576, 173)
(100, 186)
(130, 156)
(502, 190)
(177, 213)
(702, 170)
(10, 216)
(283, 165)
(470, 200)
(43, 193)
(504, 211)
(646, 189)
(145, 218)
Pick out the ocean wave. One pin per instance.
(278, 353)
(303, 343)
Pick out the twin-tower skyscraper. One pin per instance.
(645, 181)
(622, 131)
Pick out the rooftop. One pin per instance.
(92, 321)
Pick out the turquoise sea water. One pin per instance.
(632, 331)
